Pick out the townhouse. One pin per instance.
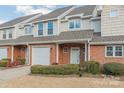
(68, 35)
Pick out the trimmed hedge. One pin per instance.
(92, 67)
(4, 62)
(55, 69)
(113, 68)
(21, 60)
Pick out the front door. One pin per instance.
(75, 55)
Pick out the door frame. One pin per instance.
(40, 47)
(71, 53)
(6, 49)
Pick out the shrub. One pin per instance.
(21, 60)
(92, 67)
(113, 68)
(4, 62)
(55, 69)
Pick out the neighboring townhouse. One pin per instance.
(109, 46)
(68, 35)
(12, 30)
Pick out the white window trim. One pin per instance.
(113, 16)
(53, 29)
(37, 31)
(28, 33)
(7, 34)
(67, 49)
(114, 51)
(74, 20)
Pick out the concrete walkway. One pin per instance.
(14, 73)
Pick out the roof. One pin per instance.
(16, 21)
(106, 39)
(87, 10)
(53, 14)
(64, 36)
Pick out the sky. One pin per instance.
(9, 12)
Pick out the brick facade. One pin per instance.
(19, 51)
(97, 53)
(64, 58)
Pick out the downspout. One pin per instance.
(88, 50)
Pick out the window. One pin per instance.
(114, 51)
(77, 23)
(10, 33)
(28, 30)
(74, 24)
(4, 34)
(113, 13)
(65, 49)
(40, 28)
(109, 51)
(50, 27)
(118, 51)
(71, 25)
(7, 34)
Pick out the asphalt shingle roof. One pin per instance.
(87, 10)
(103, 39)
(68, 35)
(53, 14)
(15, 21)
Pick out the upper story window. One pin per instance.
(10, 34)
(77, 24)
(28, 30)
(114, 51)
(71, 25)
(113, 13)
(50, 27)
(7, 34)
(74, 24)
(40, 28)
(4, 34)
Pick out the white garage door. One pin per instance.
(40, 56)
(3, 53)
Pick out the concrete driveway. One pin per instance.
(14, 72)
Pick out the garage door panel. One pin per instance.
(40, 56)
(3, 53)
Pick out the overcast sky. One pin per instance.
(8, 12)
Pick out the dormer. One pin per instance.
(81, 18)
(49, 24)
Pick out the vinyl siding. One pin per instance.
(111, 26)
(85, 24)
(1, 32)
(96, 25)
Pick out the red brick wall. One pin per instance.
(19, 51)
(97, 53)
(64, 58)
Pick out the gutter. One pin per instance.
(111, 42)
(43, 42)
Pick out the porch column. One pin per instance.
(57, 53)
(12, 53)
(86, 51)
(28, 54)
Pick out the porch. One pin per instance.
(72, 52)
